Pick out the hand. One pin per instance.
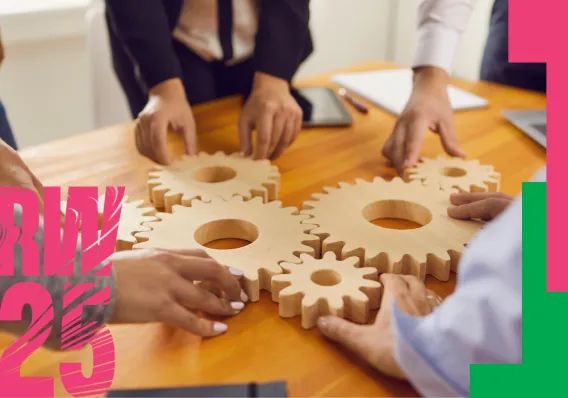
(15, 173)
(167, 108)
(158, 286)
(275, 115)
(478, 205)
(374, 343)
(428, 108)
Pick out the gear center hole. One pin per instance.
(397, 214)
(214, 174)
(326, 277)
(226, 234)
(453, 172)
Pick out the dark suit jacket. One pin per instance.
(145, 27)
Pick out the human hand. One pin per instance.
(167, 108)
(374, 343)
(158, 286)
(429, 107)
(478, 205)
(15, 173)
(275, 115)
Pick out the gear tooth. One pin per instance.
(235, 155)
(351, 262)
(359, 181)
(378, 180)
(308, 205)
(329, 256)
(329, 189)
(397, 180)
(342, 184)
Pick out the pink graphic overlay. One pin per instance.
(59, 256)
(542, 42)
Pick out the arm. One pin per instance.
(98, 314)
(144, 29)
(440, 25)
(282, 36)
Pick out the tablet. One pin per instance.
(322, 106)
(532, 123)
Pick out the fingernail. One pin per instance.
(237, 305)
(236, 271)
(244, 296)
(323, 321)
(219, 328)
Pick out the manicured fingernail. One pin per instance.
(219, 328)
(244, 296)
(237, 305)
(236, 271)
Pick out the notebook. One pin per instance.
(391, 89)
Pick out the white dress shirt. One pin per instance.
(440, 25)
(479, 323)
(198, 29)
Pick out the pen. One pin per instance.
(356, 104)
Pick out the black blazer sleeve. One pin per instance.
(145, 30)
(283, 40)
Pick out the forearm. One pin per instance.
(440, 26)
(282, 37)
(55, 285)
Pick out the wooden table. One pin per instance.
(259, 345)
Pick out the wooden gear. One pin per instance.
(448, 173)
(326, 287)
(132, 218)
(342, 220)
(208, 176)
(276, 234)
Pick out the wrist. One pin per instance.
(430, 76)
(170, 89)
(262, 81)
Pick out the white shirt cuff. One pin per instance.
(436, 46)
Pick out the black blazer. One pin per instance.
(145, 28)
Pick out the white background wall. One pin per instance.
(56, 82)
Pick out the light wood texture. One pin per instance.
(326, 286)
(260, 345)
(343, 218)
(208, 176)
(276, 234)
(463, 175)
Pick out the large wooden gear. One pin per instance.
(326, 287)
(208, 176)
(276, 235)
(449, 173)
(342, 220)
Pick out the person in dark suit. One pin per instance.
(170, 55)
(6, 133)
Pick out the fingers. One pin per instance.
(189, 137)
(290, 133)
(470, 197)
(176, 315)
(418, 296)
(397, 148)
(151, 136)
(264, 135)
(414, 138)
(486, 209)
(449, 139)
(207, 269)
(193, 297)
(278, 130)
(245, 133)
(347, 334)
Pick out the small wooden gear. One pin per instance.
(208, 176)
(276, 234)
(463, 175)
(132, 218)
(326, 287)
(342, 219)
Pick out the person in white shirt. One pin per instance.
(433, 345)
(440, 25)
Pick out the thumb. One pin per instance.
(347, 334)
(245, 134)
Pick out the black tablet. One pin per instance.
(322, 106)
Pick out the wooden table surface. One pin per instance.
(259, 345)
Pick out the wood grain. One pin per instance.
(260, 346)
